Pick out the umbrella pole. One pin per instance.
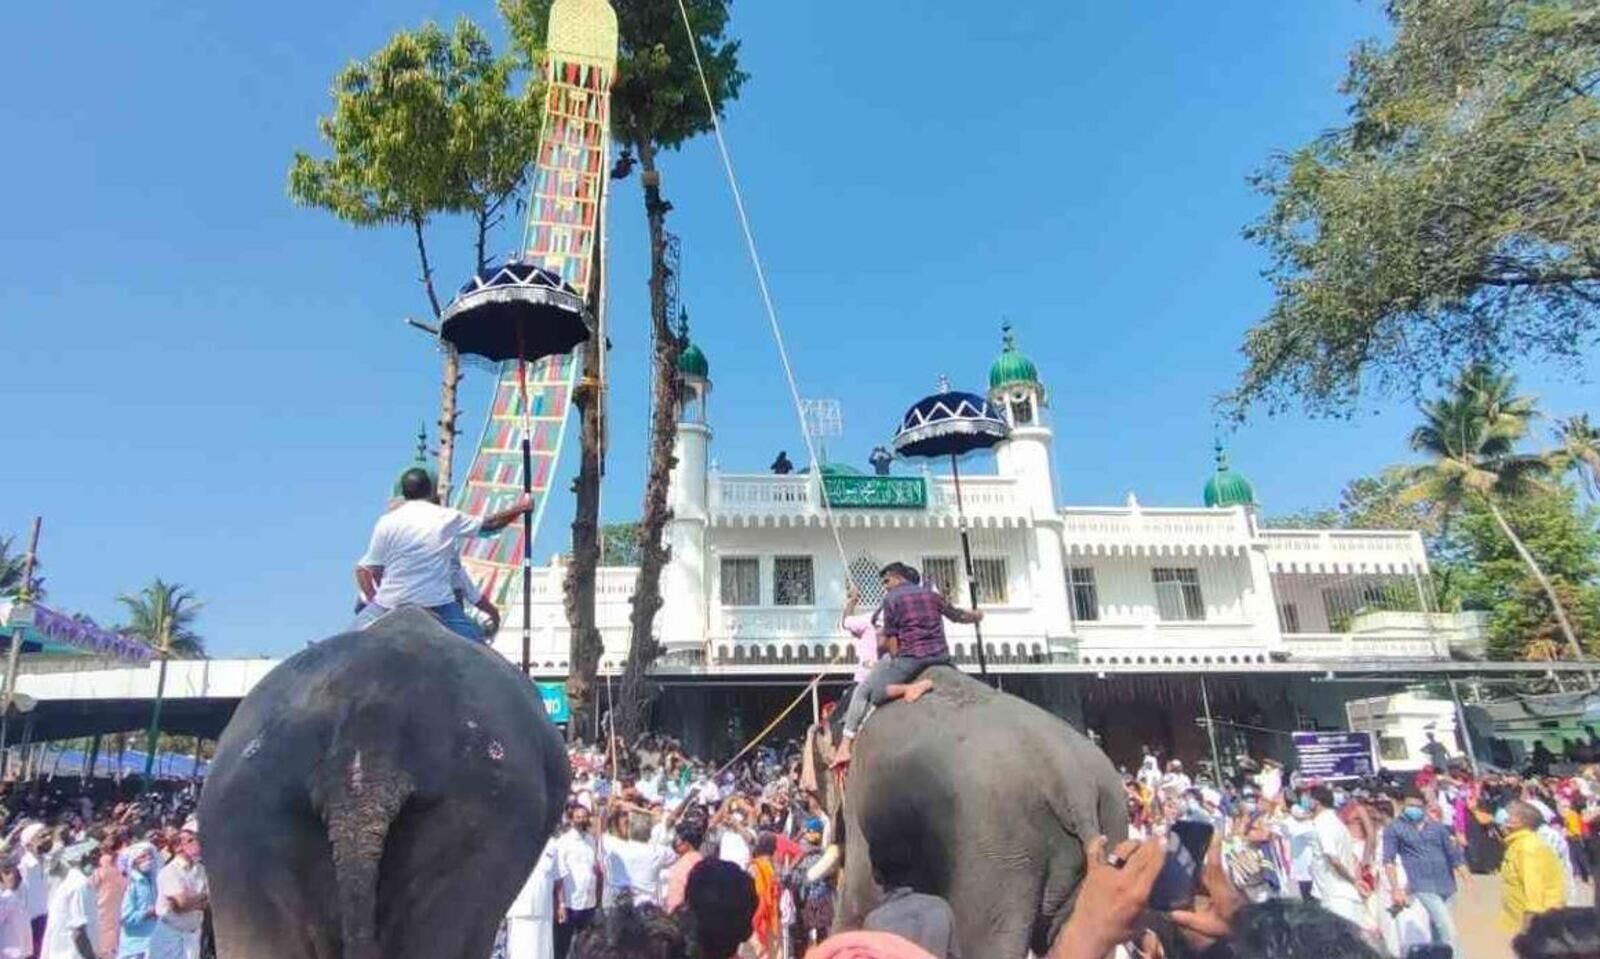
(527, 523)
(966, 556)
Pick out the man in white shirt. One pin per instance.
(637, 853)
(531, 920)
(72, 927)
(578, 868)
(413, 558)
(1335, 865)
(182, 895)
(35, 887)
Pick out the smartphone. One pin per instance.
(1187, 844)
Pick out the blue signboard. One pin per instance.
(1334, 756)
(554, 696)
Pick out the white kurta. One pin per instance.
(531, 920)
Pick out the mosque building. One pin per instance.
(1128, 620)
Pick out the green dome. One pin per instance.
(692, 362)
(1012, 367)
(1227, 488)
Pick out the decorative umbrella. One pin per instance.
(518, 310)
(953, 424)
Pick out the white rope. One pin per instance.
(766, 294)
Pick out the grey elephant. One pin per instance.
(980, 798)
(381, 793)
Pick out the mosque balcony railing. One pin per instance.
(1313, 551)
(742, 498)
(1139, 530)
(754, 635)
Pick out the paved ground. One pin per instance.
(1476, 909)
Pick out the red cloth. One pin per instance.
(788, 852)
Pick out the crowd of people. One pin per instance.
(1371, 868)
(83, 877)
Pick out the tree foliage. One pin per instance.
(1486, 572)
(429, 124)
(619, 544)
(1578, 450)
(1455, 217)
(656, 102)
(162, 616)
(12, 563)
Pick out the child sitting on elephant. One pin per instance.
(912, 624)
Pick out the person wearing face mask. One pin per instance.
(1432, 861)
(1300, 836)
(1336, 865)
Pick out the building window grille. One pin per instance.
(990, 572)
(1289, 617)
(741, 581)
(1085, 597)
(791, 581)
(940, 574)
(864, 577)
(1178, 594)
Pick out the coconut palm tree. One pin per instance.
(12, 563)
(1470, 434)
(1579, 451)
(162, 616)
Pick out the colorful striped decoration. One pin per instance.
(569, 178)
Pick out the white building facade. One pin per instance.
(756, 583)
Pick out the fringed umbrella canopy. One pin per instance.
(949, 423)
(516, 310)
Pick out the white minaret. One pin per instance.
(683, 583)
(1015, 390)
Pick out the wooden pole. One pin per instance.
(1211, 733)
(966, 554)
(14, 654)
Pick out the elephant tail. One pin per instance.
(361, 807)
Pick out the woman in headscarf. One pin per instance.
(138, 914)
(765, 927)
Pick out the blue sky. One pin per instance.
(205, 383)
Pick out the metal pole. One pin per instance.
(1211, 732)
(155, 722)
(527, 518)
(13, 655)
(816, 706)
(966, 554)
(1461, 724)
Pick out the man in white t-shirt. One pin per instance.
(35, 888)
(1335, 864)
(182, 896)
(413, 558)
(578, 868)
(636, 853)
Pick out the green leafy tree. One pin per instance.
(1470, 435)
(1578, 449)
(1491, 575)
(657, 104)
(428, 125)
(13, 563)
(1454, 217)
(620, 544)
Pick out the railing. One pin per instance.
(1317, 646)
(1135, 526)
(1342, 550)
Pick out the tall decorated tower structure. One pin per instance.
(684, 586)
(1015, 390)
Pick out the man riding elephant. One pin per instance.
(978, 798)
(913, 621)
(414, 558)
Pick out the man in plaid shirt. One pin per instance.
(913, 618)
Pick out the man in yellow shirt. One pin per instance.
(1531, 877)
